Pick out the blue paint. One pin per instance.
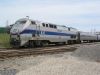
(56, 33)
(28, 32)
(46, 33)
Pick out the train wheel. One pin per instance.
(31, 44)
(38, 43)
(57, 44)
(44, 43)
(69, 42)
(64, 43)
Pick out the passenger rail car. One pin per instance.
(98, 37)
(88, 37)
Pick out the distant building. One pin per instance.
(98, 33)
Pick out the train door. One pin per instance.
(43, 28)
(78, 37)
(37, 30)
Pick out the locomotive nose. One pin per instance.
(15, 37)
(15, 31)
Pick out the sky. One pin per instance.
(81, 14)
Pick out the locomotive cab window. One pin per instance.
(21, 22)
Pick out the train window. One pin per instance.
(55, 27)
(43, 24)
(50, 25)
(22, 22)
(68, 29)
(73, 36)
(33, 22)
(46, 25)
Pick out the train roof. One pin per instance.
(25, 19)
(45, 23)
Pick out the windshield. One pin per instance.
(21, 22)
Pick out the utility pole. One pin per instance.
(94, 30)
(91, 28)
(7, 23)
(7, 27)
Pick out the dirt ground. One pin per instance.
(83, 61)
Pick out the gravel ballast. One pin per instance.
(88, 53)
(83, 61)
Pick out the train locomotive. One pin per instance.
(31, 33)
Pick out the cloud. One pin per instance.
(70, 12)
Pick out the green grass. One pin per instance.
(4, 40)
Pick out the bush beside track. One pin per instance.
(4, 38)
(2, 30)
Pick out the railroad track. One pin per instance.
(11, 52)
(6, 53)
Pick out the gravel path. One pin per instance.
(88, 53)
(62, 67)
(84, 61)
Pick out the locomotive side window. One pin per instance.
(73, 36)
(46, 25)
(50, 25)
(22, 22)
(55, 26)
(43, 24)
(68, 29)
(33, 22)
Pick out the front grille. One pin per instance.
(14, 41)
